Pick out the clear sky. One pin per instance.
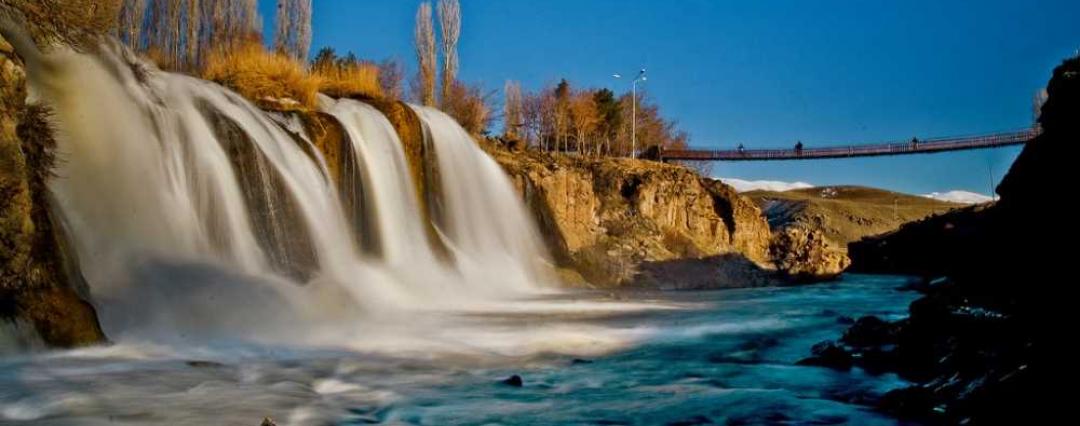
(768, 73)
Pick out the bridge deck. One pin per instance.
(869, 150)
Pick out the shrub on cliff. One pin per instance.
(355, 81)
(262, 76)
(346, 77)
(73, 22)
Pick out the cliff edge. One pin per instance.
(623, 222)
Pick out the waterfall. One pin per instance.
(483, 218)
(390, 199)
(197, 215)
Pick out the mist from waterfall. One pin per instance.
(196, 215)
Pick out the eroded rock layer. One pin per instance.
(625, 222)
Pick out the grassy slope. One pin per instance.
(845, 213)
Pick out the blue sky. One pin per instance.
(768, 73)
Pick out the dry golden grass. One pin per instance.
(262, 76)
(74, 22)
(359, 80)
(846, 213)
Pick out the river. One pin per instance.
(720, 357)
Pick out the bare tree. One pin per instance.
(303, 30)
(224, 24)
(469, 106)
(180, 33)
(391, 77)
(282, 26)
(561, 119)
(585, 118)
(212, 26)
(173, 34)
(292, 35)
(450, 27)
(164, 36)
(193, 23)
(132, 14)
(513, 111)
(244, 19)
(425, 54)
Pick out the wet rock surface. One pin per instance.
(39, 281)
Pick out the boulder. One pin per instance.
(806, 255)
(831, 355)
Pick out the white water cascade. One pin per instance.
(483, 218)
(390, 197)
(195, 215)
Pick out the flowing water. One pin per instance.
(238, 280)
(724, 357)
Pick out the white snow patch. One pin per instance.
(961, 197)
(767, 185)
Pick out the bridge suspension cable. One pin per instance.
(799, 152)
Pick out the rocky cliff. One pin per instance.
(625, 222)
(980, 343)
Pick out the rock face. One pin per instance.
(977, 343)
(39, 282)
(626, 222)
(926, 248)
(804, 255)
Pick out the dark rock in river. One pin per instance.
(514, 381)
(870, 331)
(831, 355)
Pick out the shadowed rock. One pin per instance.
(40, 282)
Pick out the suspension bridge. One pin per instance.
(800, 152)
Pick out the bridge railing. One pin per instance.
(895, 148)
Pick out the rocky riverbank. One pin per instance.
(975, 344)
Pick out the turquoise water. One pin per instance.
(722, 357)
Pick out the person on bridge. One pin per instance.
(798, 147)
(741, 149)
(914, 143)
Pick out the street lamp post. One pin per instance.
(633, 110)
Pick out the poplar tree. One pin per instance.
(450, 27)
(425, 54)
